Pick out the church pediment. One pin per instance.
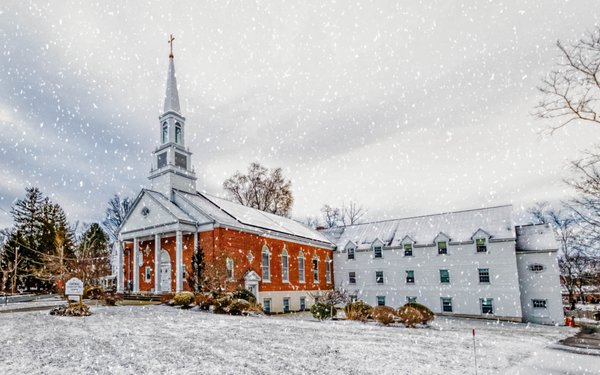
(148, 211)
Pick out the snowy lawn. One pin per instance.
(160, 339)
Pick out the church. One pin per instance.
(473, 263)
(284, 263)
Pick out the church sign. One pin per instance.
(74, 289)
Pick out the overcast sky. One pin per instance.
(409, 108)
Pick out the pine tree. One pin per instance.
(93, 255)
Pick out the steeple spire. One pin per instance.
(172, 96)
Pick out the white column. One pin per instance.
(178, 261)
(136, 266)
(157, 263)
(120, 267)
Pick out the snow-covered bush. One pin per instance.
(184, 299)
(237, 307)
(204, 301)
(384, 314)
(110, 298)
(74, 309)
(426, 314)
(220, 304)
(244, 294)
(410, 316)
(323, 311)
(358, 310)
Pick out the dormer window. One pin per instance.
(442, 247)
(350, 253)
(178, 133)
(481, 245)
(408, 249)
(378, 252)
(165, 133)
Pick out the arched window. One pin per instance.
(315, 269)
(178, 133)
(328, 270)
(229, 266)
(285, 266)
(165, 133)
(266, 264)
(301, 271)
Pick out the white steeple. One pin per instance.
(172, 96)
(172, 161)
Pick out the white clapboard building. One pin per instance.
(468, 263)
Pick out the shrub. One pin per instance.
(110, 298)
(323, 311)
(74, 309)
(410, 316)
(204, 301)
(92, 292)
(358, 310)
(244, 294)
(167, 299)
(184, 299)
(384, 315)
(221, 304)
(237, 307)
(427, 315)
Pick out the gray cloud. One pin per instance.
(408, 108)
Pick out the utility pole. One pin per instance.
(14, 280)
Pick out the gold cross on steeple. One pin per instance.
(171, 39)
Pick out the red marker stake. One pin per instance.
(474, 351)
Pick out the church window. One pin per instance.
(301, 267)
(315, 269)
(444, 276)
(178, 133)
(229, 266)
(285, 266)
(148, 273)
(328, 270)
(165, 133)
(442, 247)
(481, 245)
(487, 305)
(266, 266)
(161, 160)
(180, 160)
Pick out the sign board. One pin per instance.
(74, 287)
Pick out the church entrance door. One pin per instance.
(165, 272)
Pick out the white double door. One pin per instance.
(165, 272)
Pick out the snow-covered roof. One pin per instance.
(458, 226)
(535, 238)
(247, 218)
(170, 206)
(264, 220)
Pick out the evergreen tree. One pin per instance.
(93, 255)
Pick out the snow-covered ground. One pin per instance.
(160, 339)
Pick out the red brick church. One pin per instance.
(280, 260)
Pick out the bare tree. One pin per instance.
(575, 259)
(571, 92)
(352, 213)
(332, 216)
(312, 222)
(115, 214)
(263, 189)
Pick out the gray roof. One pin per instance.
(458, 226)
